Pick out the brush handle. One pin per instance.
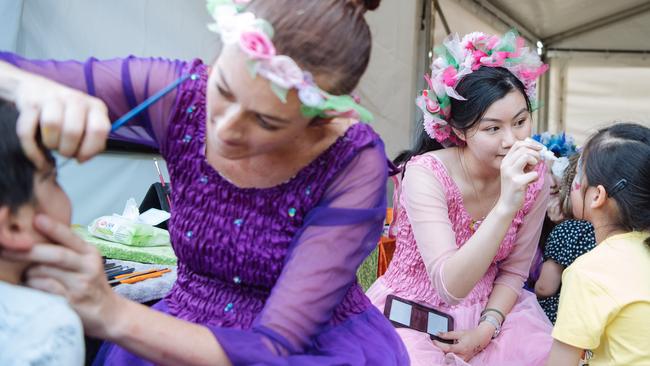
(141, 107)
(149, 101)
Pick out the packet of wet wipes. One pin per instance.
(129, 228)
(120, 230)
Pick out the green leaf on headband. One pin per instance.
(535, 105)
(310, 112)
(444, 101)
(280, 92)
(334, 104)
(508, 42)
(212, 4)
(265, 27)
(449, 58)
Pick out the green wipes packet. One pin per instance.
(120, 230)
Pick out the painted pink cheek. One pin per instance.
(576, 186)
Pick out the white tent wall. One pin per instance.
(587, 90)
(78, 29)
(10, 15)
(598, 90)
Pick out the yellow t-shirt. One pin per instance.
(605, 302)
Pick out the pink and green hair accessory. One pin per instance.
(458, 58)
(254, 36)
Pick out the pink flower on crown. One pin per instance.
(432, 106)
(520, 46)
(476, 62)
(256, 45)
(492, 42)
(282, 71)
(474, 40)
(449, 76)
(531, 75)
(497, 59)
(442, 132)
(242, 2)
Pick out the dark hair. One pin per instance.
(481, 89)
(16, 170)
(329, 38)
(618, 158)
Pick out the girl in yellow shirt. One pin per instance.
(604, 312)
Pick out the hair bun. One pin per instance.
(365, 5)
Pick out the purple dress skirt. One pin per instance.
(271, 272)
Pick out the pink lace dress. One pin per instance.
(432, 223)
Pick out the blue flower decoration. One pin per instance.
(560, 144)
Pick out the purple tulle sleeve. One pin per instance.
(321, 267)
(121, 83)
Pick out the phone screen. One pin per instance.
(400, 312)
(437, 323)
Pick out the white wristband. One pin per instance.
(494, 321)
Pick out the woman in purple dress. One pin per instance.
(278, 195)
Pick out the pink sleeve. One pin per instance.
(425, 202)
(513, 271)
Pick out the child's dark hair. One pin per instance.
(16, 170)
(481, 89)
(618, 158)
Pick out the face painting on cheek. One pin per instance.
(576, 185)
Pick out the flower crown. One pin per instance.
(458, 58)
(254, 38)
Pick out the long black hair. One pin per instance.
(618, 158)
(481, 89)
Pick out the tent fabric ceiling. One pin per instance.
(604, 25)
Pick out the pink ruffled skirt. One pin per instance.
(525, 338)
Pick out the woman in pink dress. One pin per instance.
(469, 216)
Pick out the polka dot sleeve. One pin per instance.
(569, 240)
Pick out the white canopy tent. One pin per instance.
(78, 29)
(598, 51)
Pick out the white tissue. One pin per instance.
(545, 153)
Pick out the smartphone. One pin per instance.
(408, 314)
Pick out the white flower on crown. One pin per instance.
(231, 25)
(473, 38)
(282, 71)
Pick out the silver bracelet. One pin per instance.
(492, 320)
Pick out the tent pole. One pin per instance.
(544, 86)
(436, 6)
(563, 74)
(424, 47)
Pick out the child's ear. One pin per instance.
(15, 230)
(600, 198)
